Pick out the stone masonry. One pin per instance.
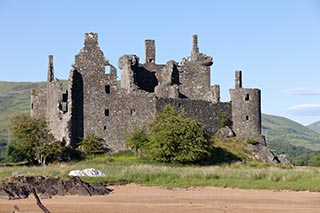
(95, 104)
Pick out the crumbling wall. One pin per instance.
(57, 111)
(38, 103)
(208, 113)
(168, 81)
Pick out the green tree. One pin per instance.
(172, 137)
(31, 140)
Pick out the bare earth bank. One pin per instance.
(135, 198)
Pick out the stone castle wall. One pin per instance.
(38, 103)
(208, 113)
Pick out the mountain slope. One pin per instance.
(282, 134)
(315, 126)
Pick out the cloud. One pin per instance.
(302, 91)
(305, 110)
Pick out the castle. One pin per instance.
(95, 104)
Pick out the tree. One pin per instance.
(172, 137)
(31, 140)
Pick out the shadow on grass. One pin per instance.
(220, 156)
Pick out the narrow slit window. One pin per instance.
(247, 117)
(247, 98)
(106, 112)
(107, 88)
(105, 127)
(133, 112)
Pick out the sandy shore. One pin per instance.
(135, 198)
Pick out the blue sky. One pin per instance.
(275, 43)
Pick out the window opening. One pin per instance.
(107, 70)
(107, 89)
(106, 112)
(247, 98)
(247, 117)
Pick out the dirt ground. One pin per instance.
(135, 198)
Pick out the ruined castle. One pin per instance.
(94, 103)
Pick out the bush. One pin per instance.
(92, 145)
(138, 140)
(172, 137)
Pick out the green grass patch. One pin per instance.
(128, 168)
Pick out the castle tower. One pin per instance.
(150, 51)
(246, 109)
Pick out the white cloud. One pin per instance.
(302, 91)
(305, 110)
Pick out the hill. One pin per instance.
(289, 137)
(315, 126)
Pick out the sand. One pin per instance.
(135, 198)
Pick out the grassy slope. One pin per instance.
(282, 132)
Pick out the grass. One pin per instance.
(128, 168)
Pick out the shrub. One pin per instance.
(138, 140)
(92, 145)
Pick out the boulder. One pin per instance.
(225, 132)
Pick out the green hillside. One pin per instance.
(286, 136)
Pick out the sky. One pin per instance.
(275, 43)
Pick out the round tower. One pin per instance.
(246, 109)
